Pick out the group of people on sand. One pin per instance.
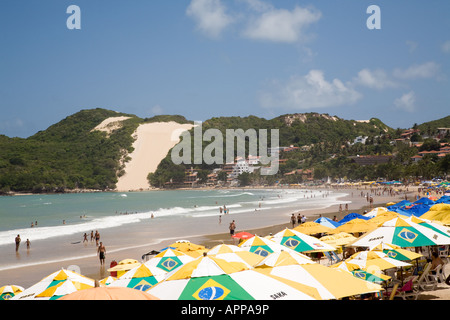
(101, 250)
(300, 219)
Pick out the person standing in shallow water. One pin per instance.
(17, 242)
(101, 253)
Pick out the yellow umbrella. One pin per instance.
(123, 266)
(312, 228)
(109, 293)
(191, 249)
(339, 239)
(438, 212)
(383, 217)
(375, 260)
(395, 252)
(355, 226)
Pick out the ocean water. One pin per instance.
(84, 212)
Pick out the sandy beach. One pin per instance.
(153, 142)
(132, 242)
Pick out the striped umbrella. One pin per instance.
(301, 242)
(211, 278)
(7, 292)
(140, 278)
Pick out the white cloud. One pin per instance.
(406, 102)
(426, 70)
(446, 46)
(377, 79)
(281, 25)
(210, 16)
(307, 92)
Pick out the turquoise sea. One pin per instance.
(66, 214)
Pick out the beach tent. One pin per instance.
(210, 278)
(300, 242)
(402, 233)
(352, 216)
(330, 283)
(9, 291)
(52, 286)
(327, 222)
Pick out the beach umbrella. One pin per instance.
(383, 217)
(283, 258)
(432, 225)
(375, 260)
(141, 278)
(234, 253)
(107, 281)
(243, 235)
(403, 203)
(300, 242)
(402, 233)
(168, 260)
(224, 248)
(338, 239)
(261, 246)
(313, 228)
(418, 209)
(357, 272)
(374, 212)
(327, 222)
(55, 279)
(109, 293)
(124, 266)
(61, 289)
(438, 212)
(210, 278)
(191, 249)
(396, 252)
(9, 291)
(330, 283)
(356, 226)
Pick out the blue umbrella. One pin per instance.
(327, 222)
(425, 201)
(400, 204)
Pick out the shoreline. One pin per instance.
(140, 241)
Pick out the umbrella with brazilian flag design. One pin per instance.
(300, 242)
(169, 259)
(211, 278)
(262, 246)
(396, 252)
(140, 278)
(56, 285)
(359, 273)
(402, 233)
(7, 292)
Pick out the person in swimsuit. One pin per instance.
(101, 253)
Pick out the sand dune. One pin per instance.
(154, 140)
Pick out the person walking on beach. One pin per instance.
(101, 253)
(293, 220)
(28, 244)
(85, 239)
(232, 228)
(17, 242)
(97, 237)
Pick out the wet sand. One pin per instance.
(132, 242)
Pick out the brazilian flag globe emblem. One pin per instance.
(169, 263)
(407, 235)
(263, 251)
(221, 287)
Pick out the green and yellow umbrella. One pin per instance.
(261, 246)
(396, 252)
(359, 273)
(402, 233)
(56, 285)
(169, 259)
(300, 242)
(140, 278)
(7, 292)
(211, 278)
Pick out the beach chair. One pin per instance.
(443, 251)
(426, 281)
(329, 257)
(406, 292)
(335, 256)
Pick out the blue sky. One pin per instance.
(210, 58)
